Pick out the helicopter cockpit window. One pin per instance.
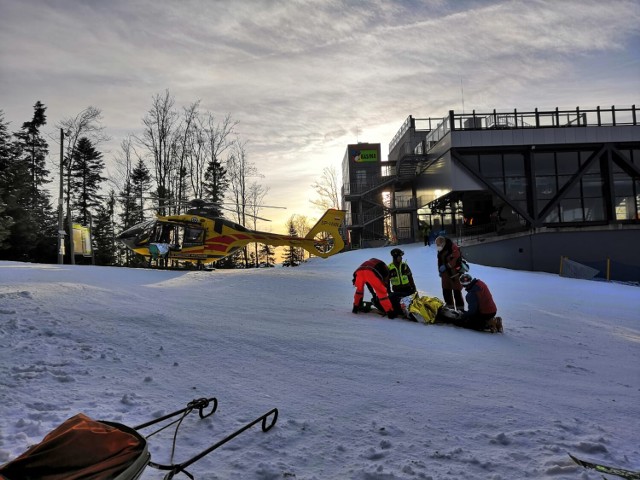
(143, 232)
(193, 236)
(163, 233)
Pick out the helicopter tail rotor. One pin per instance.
(324, 238)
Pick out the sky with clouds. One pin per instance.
(304, 78)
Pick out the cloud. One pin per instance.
(305, 78)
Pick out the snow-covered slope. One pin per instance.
(359, 396)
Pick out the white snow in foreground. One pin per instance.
(359, 396)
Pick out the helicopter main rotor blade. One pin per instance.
(247, 214)
(190, 203)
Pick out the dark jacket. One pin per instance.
(449, 260)
(479, 300)
(401, 279)
(449, 257)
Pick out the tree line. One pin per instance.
(180, 154)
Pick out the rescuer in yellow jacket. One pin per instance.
(400, 277)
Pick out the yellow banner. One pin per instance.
(81, 240)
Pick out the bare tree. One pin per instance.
(240, 169)
(302, 226)
(214, 137)
(85, 124)
(197, 160)
(327, 189)
(183, 148)
(257, 193)
(157, 138)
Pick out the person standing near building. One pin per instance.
(426, 232)
(449, 264)
(373, 273)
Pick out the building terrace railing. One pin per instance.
(364, 218)
(600, 117)
(419, 124)
(404, 202)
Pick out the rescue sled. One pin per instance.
(85, 449)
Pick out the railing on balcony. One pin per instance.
(358, 188)
(419, 124)
(405, 202)
(366, 217)
(600, 117)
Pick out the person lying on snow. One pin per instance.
(374, 274)
(481, 312)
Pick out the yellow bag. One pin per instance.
(425, 309)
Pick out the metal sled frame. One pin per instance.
(200, 404)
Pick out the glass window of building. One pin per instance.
(544, 163)
(553, 216)
(567, 162)
(498, 183)
(514, 165)
(491, 165)
(546, 187)
(516, 188)
(625, 208)
(592, 192)
(592, 186)
(622, 184)
(571, 210)
(585, 155)
(563, 180)
(594, 209)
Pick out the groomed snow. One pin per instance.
(359, 396)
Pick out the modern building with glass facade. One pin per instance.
(521, 189)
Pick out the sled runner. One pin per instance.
(85, 449)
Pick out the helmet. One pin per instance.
(396, 252)
(466, 279)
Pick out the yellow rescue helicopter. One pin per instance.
(199, 237)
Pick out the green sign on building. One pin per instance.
(363, 156)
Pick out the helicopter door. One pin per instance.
(168, 235)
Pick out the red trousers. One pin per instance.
(364, 277)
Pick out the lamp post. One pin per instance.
(60, 202)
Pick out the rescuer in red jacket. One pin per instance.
(449, 264)
(374, 274)
(481, 311)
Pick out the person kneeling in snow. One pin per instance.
(481, 312)
(374, 274)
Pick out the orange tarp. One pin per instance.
(80, 448)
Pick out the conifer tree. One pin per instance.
(216, 184)
(267, 255)
(35, 150)
(32, 235)
(86, 179)
(292, 256)
(6, 155)
(104, 232)
(140, 185)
